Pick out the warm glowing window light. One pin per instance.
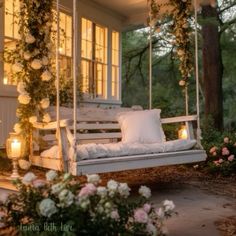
(115, 64)
(94, 58)
(11, 35)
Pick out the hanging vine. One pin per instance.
(31, 62)
(180, 28)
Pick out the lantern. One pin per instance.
(183, 133)
(15, 147)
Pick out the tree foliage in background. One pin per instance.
(166, 92)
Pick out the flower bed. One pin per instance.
(221, 159)
(60, 205)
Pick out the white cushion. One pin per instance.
(141, 126)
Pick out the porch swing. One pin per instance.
(101, 127)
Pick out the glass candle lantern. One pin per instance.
(15, 147)
(183, 133)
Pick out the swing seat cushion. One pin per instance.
(94, 151)
(141, 126)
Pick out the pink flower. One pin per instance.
(221, 161)
(225, 151)
(38, 183)
(216, 163)
(140, 216)
(87, 190)
(226, 139)
(147, 207)
(213, 149)
(115, 215)
(231, 158)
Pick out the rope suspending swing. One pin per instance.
(151, 20)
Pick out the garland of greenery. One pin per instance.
(32, 63)
(180, 28)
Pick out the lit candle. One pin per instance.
(5, 80)
(183, 134)
(15, 149)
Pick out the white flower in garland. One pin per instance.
(44, 103)
(29, 38)
(45, 61)
(27, 55)
(21, 88)
(17, 128)
(24, 99)
(46, 118)
(33, 119)
(36, 64)
(46, 76)
(17, 67)
(182, 83)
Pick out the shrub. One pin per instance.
(221, 158)
(61, 205)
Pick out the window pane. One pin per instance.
(115, 64)
(11, 25)
(94, 58)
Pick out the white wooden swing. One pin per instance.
(101, 126)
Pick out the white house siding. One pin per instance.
(7, 116)
(87, 9)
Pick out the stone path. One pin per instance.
(197, 210)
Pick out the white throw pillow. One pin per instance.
(141, 126)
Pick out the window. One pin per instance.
(115, 65)
(11, 35)
(65, 49)
(94, 58)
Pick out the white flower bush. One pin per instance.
(145, 191)
(51, 175)
(90, 209)
(47, 207)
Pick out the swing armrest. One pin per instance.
(179, 119)
(52, 125)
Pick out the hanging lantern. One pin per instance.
(15, 147)
(183, 133)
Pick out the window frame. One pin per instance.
(93, 62)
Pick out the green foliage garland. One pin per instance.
(32, 64)
(180, 13)
(181, 29)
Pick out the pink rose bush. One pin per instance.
(221, 158)
(81, 209)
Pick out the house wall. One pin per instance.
(87, 9)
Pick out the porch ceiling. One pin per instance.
(134, 12)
